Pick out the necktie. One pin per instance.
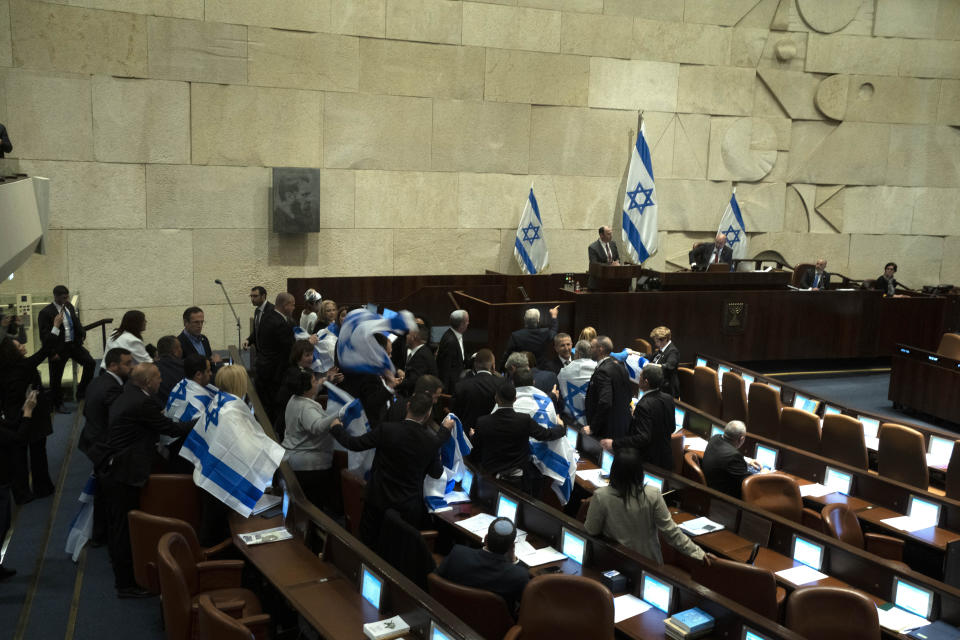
(256, 323)
(609, 255)
(68, 323)
(717, 259)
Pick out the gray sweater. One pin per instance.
(307, 438)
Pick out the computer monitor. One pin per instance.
(827, 410)
(572, 437)
(775, 387)
(749, 634)
(286, 505)
(678, 416)
(747, 380)
(838, 481)
(766, 456)
(572, 545)
(701, 362)
(804, 403)
(657, 592)
(371, 586)
(807, 552)
(649, 478)
(507, 508)
(870, 426)
(722, 369)
(924, 510)
(466, 482)
(912, 598)
(716, 431)
(940, 448)
(438, 633)
(606, 461)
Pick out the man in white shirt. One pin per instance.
(68, 345)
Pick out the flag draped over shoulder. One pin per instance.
(573, 381)
(323, 351)
(451, 455)
(188, 400)
(357, 348)
(633, 361)
(355, 421)
(530, 246)
(731, 225)
(556, 459)
(81, 527)
(234, 460)
(639, 226)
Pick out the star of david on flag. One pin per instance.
(639, 221)
(555, 459)
(530, 245)
(573, 381)
(731, 225)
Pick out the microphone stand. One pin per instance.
(234, 312)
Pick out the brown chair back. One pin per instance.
(691, 467)
(901, 455)
(484, 611)
(775, 492)
(172, 495)
(798, 272)
(215, 624)
(687, 393)
(753, 587)
(733, 398)
(949, 346)
(641, 345)
(562, 606)
(145, 532)
(841, 439)
(800, 429)
(583, 509)
(352, 487)
(706, 389)
(178, 584)
(832, 613)
(676, 451)
(763, 411)
(953, 475)
(841, 523)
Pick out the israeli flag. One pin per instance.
(81, 527)
(530, 246)
(188, 400)
(633, 361)
(233, 459)
(640, 204)
(323, 351)
(556, 459)
(573, 381)
(731, 225)
(357, 348)
(354, 420)
(451, 455)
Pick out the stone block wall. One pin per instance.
(158, 122)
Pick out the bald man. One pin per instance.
(274, 342)
(705, 254)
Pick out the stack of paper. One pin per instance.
(900, 620)
(695, 444)
(593, 477)
(535, 557)
(627, 606)
(906, 523)
(699, 526)
(275, 534)
(477, 524)
(801, 575)
(815, 490)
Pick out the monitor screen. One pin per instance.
(657, 592)
(606, 461)
(371, 587)
(775, 387)
(678, 416)
(940, 448)
(286, 504)
(747, 380)
(720, 371)
(649, 478)
(766, 456)
(924, 511)
(750, 634)
(838, 481)
(716, 431)
(827, 410)
(912, 598)
(572, 437)
(466, 482)
(870, 426)
(804, 403)
(572, 545)
(507, 508)
(807, 552)
(436, 633)
(701, 362)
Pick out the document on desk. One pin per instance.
(265, 502)
(938, 461)
(695, 444)
(801, 575)
(535, 557)
(900, 620)
(908, 524)
(700, 526)
(275, 534)
(593, 477)
(815, 490)
(872, 443)
(627, 606)
(477, 524)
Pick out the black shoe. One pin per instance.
(6, 573)
(133, 592)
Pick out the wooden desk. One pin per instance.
(726, 280)
(925, 381)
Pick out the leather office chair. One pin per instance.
(949, 346)
(172, 495)
(691, 467)
(687, 394)
(583, 509)
(901, 455)
(832, 613)
(733, 398)
(841, 439)
(753, 587)
(952, 484)
(676, 451)
(800, 429)
(214, 624)
(799, 271)
(405, 548)
(145, 532)
(641, 345)
(183, 580)
(780, 494)
(562, 606)
(763, 411)
(484, 611)
(841, 523)
(706, 389)
(352, 488)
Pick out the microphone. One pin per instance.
(523, 292)
(219, 282)
(233, 311)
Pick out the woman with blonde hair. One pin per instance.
(328, 313)
(588, 334)
(232, 379)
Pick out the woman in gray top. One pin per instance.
(309, 443)
(630, 513)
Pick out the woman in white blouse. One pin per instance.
(129, 336)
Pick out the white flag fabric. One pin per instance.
(451, 455)
(81, 527)
(639, 226)
(189, 400)
(357, 348)
(233, 459)
(354, 420)
(555, 459)
(530, 245)
(731, 225)
(573, 381)
(633, 361)
(323, 351)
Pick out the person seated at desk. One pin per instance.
(602, 251)
(653, 422)
(723, 465)
(631, 512)
(886, 282)
(667, 355)
(705, 254)
(492, 568)
(816, 279)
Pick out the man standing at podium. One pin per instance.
(603, 251)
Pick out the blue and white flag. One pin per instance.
(555, 459)
(573, 381)
(357, 348)
(323, 350)
(188, 400)
(354, 420)
(639, 227)
(633, 361)
(530, 246)
(81, 527)
(234, 460)
(731, 225)
(451, 456)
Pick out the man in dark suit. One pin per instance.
(563, 349)
(474, 395)
(491, 568)
(607, 403)
(667, 355)
(135, 424)
(274, 342)
(420, 360)
(817, 278)
(652, 424)
(192, 339)
(451, 354)
(170, 362)
(406, 452)
(723, 465)
(258, 298)
(5, 145)
(69, 344)
(533, 337)
(707, 253)
(603, 251)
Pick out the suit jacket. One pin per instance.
(188, 347)
(101, 394)
(595, 253)
(880, 284)
(474, 397)
(700, 256)
(420, 363)
(136, 421)
(267, 308)
(554, 364)
(532, 340)
(806, 281)
(669, 360)
(5, 145)
(45, 324)
(275, 340)
(449, 360)
(723, 466)
(171, 372)
(650, 429)
(502, 439)
(607, 404)
(481, 569)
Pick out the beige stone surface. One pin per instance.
(338, 188)
(376, 132)
(831, 98)
(39, 271)
(416, 69)
(48, 115)
(861, 24)
(297, 15)
(949, 110)
(681, 42)
(918, 257)
(568, 251)
(747, 46)
(794, 92)
(303, 60)
(762, 205)
(806, 247)
(359, 18)
(691, 205)
(936, 212)
(248, 265)
(660, 133)
(198, 197)
(852, 153)
(924, 156)
(501, 27)
(569, 6)
(854, 54)
(348, 252)
(828, 16)
(6, 53)
(906, 18)
(828, 209)
(631, 84)
(878, 209)
(406, 199)
(141, 120)
(284, 126)
(493, 200)
(784, 51)
(930, 58)
(537, 78)
(425, 250)
(691, 142)
(948, 20)
(192, 9)
(727, 14)
(194, 50)
(894, 100)
(586, 203)
(797, 215)
(950, 267)
(425, 20)
(715, 90)
(742, 149)
(666, 10)
(571, 141)
(481, 136)
(597, 35)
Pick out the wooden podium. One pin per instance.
(610, 277)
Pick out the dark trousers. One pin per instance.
(29, 462)
(121, 499)
(371, 520)
(101, 519)
(81, 356)
(5, 507)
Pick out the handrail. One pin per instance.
(102, 323)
